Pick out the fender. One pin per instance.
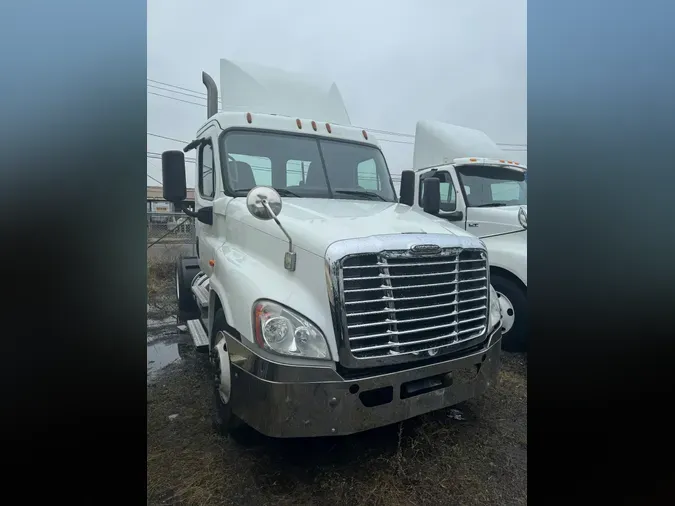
(509, 252)
(253, 270)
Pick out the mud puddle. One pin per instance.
(166, 345)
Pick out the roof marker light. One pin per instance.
(473, 159)
(502, 161)
(510, 162)
(249, 118)
(328, 127)
(298, 122)
(314, 125)
(365, 134)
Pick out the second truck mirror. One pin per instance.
(431, 199)
(173, 176)
(407, 188)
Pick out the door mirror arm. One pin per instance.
(451, 215)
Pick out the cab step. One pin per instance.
(196, 330)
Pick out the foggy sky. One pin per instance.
(395, 62)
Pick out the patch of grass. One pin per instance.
(161, 292)
(430, 460)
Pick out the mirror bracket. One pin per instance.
(264, 203)
(289, 257)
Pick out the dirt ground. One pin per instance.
(474, 453)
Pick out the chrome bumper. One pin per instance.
(283, 401)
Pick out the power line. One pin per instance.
(168, 138)
(158, 156)
(176, 92)
(202, 95)
(155, 180)
(176, 99)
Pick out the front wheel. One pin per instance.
(513, 302)
(224, 421)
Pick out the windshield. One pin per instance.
(493, 186)
(303, 166)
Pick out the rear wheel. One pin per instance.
(224, 421)
(513, 302)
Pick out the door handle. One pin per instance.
(473, 224)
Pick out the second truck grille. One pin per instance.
(396, 303)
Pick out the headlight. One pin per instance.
(495, 309)
(285, 332)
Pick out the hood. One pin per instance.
(314, 224)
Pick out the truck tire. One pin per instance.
(513, 301)
(186, 270)
(224, 421)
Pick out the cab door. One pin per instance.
(205, 193)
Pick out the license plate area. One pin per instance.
(425, 385)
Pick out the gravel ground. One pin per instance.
(474, 453)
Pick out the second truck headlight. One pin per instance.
(495, 309)
(283, 331)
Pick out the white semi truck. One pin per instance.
(484, 192)
(336, 309)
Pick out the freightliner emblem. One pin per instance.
(425, 249)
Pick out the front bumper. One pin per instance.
(279, 400)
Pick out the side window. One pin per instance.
(366, 175)
(207, 176)
(448, 195)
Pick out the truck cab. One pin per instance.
(326, 307)
(484, 193)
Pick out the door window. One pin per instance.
(207, 177)
(448, 194)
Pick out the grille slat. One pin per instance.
(384, 298)
(421, 319)
(415, 312)
(433, 306)
(447, 336)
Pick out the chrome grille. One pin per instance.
(398, 303)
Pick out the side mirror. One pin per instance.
(173, 176)
(407, 188)
(263, 203)
(431, 200)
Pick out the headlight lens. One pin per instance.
(285, 332)
(495, 309)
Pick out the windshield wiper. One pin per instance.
(361, 193)
(494, 204)
(286, 193)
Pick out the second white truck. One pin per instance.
(485, 193)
